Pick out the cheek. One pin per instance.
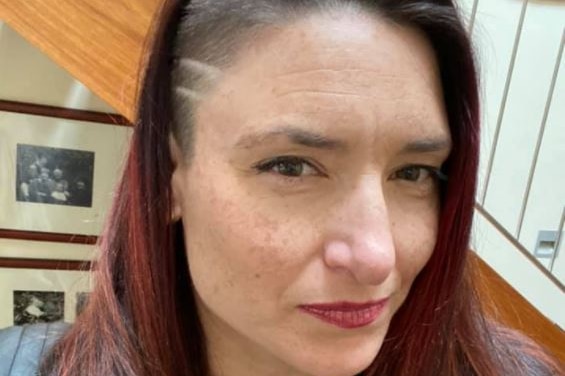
(235, 250)
(415, 234)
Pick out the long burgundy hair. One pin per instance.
(142, 318)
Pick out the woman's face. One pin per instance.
(311, 204)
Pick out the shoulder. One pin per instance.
(22, 347)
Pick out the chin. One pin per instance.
(340, 361)
(344, 367)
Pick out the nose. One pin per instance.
(361, 241)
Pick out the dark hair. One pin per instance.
(142, 319)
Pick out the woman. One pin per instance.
(297, 201)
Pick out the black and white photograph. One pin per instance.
(39, 291)
(60, 173)
(32, 307)
(54, 175)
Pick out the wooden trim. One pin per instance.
(20, 263)
(64, 113)
(49, 237)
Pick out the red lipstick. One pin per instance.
(345, 314)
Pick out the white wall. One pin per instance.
(536, 59)
(27, 75)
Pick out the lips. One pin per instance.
(346, 315)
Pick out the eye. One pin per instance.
(288, 166)
(419, 174)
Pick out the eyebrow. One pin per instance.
(295, 135)
(427, 145)
(311, 139)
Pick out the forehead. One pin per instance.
(338, 68)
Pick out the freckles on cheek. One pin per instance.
(247, 243)
(268, 246)
(415, 246)
(244, 241)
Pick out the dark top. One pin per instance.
(23, 347)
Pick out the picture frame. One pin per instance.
(35, 291)
(59, 169)
(34, 250)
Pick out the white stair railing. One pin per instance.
(519, 221)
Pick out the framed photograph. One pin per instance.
(55, 176)
(33, 291)
(59, 169)
(32, 307)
